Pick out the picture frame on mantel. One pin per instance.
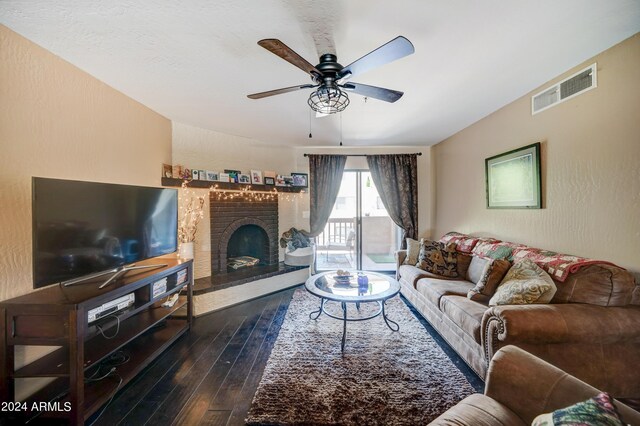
(513, 179)
(300, 179)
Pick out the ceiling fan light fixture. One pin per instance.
(328, 100)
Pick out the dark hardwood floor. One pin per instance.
(209, 376)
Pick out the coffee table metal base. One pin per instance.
(381, 303)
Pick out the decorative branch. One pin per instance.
(191, 215)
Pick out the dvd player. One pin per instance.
(110, 307)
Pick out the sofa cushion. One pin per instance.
(413, 251)
(525, 283)
(438, 258)
(465, 313)
(486, 274)
(410, 274)
(602, 285)
(478, 410)
(464, 243)
(433, 288)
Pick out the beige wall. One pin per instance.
(590, 162)
(198, 148)
(58, 121)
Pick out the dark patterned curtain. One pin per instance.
(325, 177)
(396, 179)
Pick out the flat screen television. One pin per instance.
(83, 228)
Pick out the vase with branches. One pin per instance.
(192, 212)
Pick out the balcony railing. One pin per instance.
(337, 232)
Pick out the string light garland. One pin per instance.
(250, 195)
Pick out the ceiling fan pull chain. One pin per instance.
(340, 129)
(310, 112)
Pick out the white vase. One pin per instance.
(186, 250)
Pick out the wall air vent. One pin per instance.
(575, 85)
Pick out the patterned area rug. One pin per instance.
(383, 378)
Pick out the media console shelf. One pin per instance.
(57, 316)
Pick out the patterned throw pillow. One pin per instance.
(598, 410)
(486, 274)
(438, 258)
(525, 283)
(413, 251)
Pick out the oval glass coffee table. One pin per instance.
(359, 287)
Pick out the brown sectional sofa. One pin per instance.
(519, 388)
(591, 328)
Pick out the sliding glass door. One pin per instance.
(359, 233)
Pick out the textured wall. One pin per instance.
(590, 162)
(197, 148)
(57, 121)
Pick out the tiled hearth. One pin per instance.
(219, 282)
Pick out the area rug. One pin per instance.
(383, 377)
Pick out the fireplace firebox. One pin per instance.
(244, 234)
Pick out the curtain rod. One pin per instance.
(364, 155)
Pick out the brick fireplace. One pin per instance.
(240, 227)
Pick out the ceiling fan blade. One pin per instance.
(397, 48)
(280, 91)
(383, 94)
(277, 47)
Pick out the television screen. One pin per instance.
(80, 228)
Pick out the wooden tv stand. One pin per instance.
(57, 316)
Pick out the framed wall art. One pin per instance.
(513, 179)
(300, 179)
(256, 177)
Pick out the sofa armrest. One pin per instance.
(400, 256)
(560, 323)
(594, 343)
(530, 386)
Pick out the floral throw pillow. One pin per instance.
(438, 258)
(525, 283)
(598, 410)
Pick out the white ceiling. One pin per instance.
(195, 61)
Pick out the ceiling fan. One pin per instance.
(330, 78)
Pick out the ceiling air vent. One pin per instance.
(578, 83)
